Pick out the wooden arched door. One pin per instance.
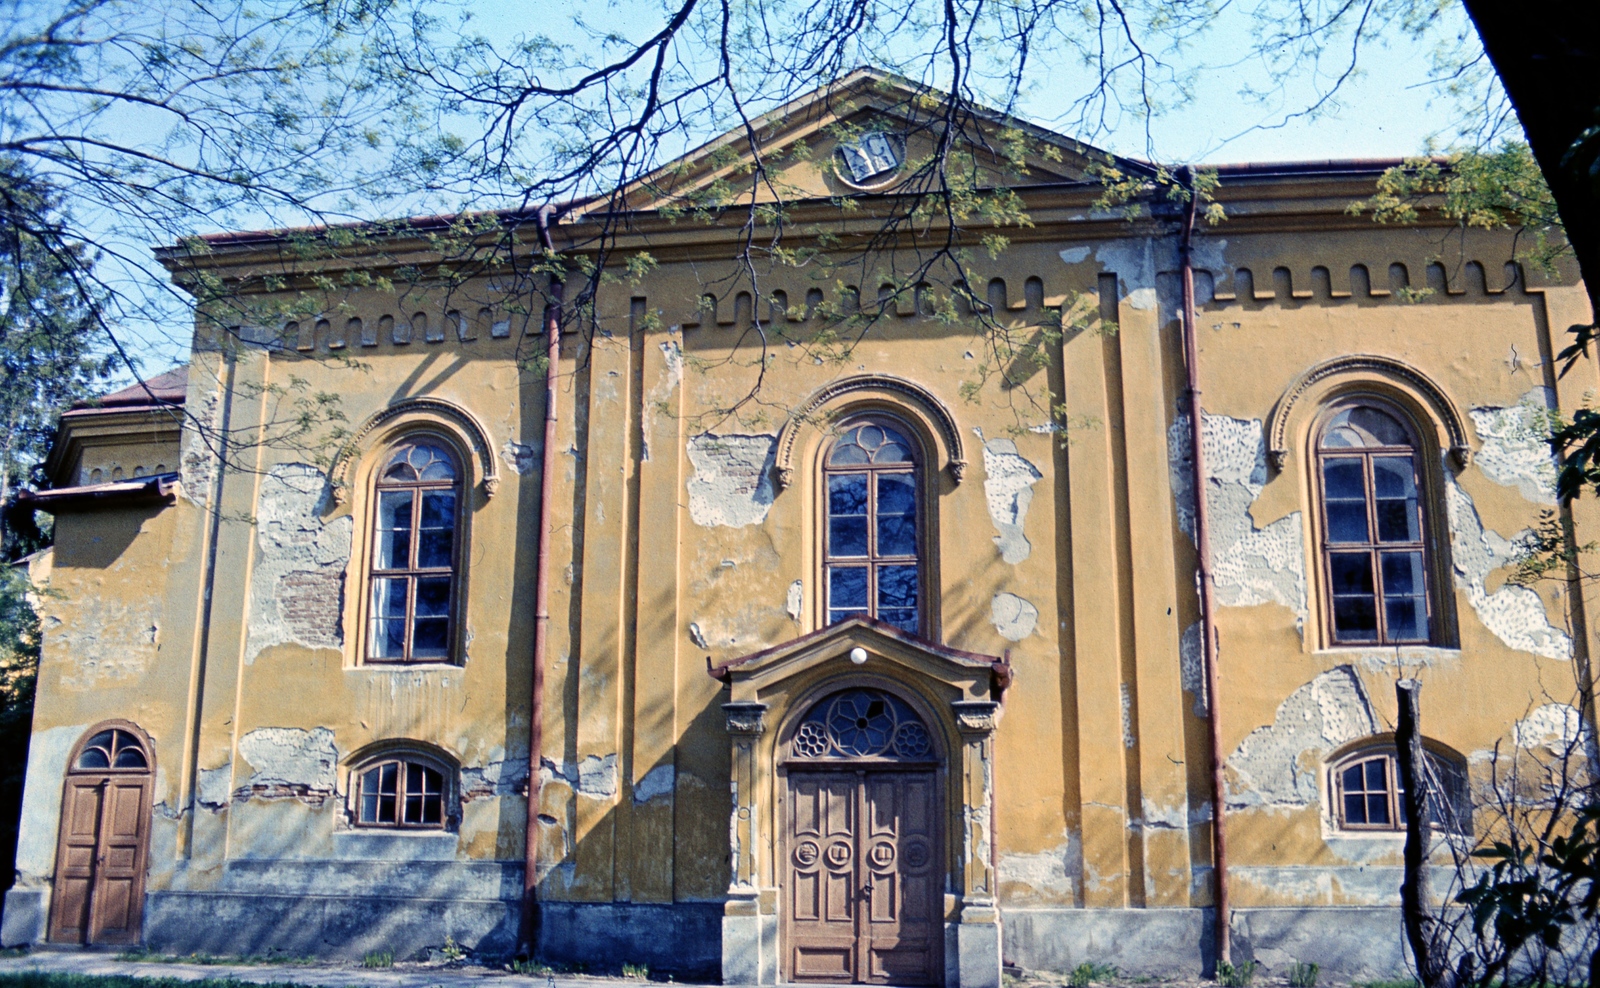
(104, 839)
(862, 872)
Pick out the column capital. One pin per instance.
(745, 718)
(976, 716)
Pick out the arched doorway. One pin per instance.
(104, 839)
(862, 862)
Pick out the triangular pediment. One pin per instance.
(865, 134)
(885, 650)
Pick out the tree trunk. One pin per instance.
(1548, 58)
(1416, 890)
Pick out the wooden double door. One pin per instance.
(100, 859)
(863, 888)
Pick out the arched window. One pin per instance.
(414, 555)
(401, 792)
(111, 751)
(1374, 537)
(1367, 795)
(874, 532)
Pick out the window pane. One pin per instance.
(1342, 478)
(1351, 572)
(1380, 427)
(1355, 809)
(1351, 779)
(1396, 488)
(94, 758)
(892, 453)
(1378, 809)
(369, 797)
(433, 596)
(1405, 601)
(388, 638)
(847, 453)
(1345, 499)
(847, 592)
(1355, 619)
(847, 515)
(897, 515)
(393, 550)
(903, 618)
(897, 586)
(130, 758)
(1377, 775)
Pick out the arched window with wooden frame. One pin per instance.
(874, 532)
(402, 790)
(414, 578)
(1366, 795)
(1374, 527)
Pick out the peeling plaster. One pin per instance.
(522, 458)
(1157, 817)
(1514, 450)
(1013, 617)
(1192, 667)
(656, 783)
(213, 788)
(1051, 875)
(697, 636)
(661, 393)
(112, 639)
(48, 752)
(1558, 728)
(795, 604)
(494, 779)
(1134, 264)
(1250, 565)
(289, 761)
(1278, 765)
(732, 481)
(297, 586)
(592, 776)
(197, 463)
(1008, 487)
(1516, 615)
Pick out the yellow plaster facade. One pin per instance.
(1057, 658)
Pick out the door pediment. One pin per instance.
(888, 651)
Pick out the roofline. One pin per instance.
(156, 487)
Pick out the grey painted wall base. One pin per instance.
(1345, 942)
(684, 938)
(26, 913)
(345, 927)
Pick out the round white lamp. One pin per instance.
(858, 655)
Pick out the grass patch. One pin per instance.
(1089, 973)
(1394, 983)
(378, 959)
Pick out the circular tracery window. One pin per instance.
(862, 723)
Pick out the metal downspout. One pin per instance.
(1202, 540)
(541, 605)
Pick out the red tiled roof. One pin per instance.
(168, 388)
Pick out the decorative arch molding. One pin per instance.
(116, 723)
(421, 411)
(1370, 366)
(895, 392)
